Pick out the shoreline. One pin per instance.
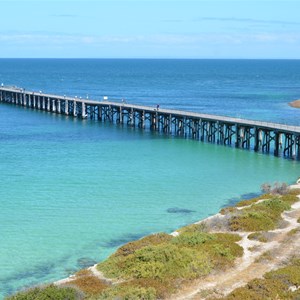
(295, 103)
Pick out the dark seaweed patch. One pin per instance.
(233, 201)
(123, 240)
(85, 262)
(177, 210)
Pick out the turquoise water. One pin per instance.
(71, 191)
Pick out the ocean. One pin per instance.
(72, 191)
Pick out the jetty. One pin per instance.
(271, 138)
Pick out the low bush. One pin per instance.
(294, 192)
(161, 262)
(165, 266)
(262, 216)
(88, 283)
(251, 221)
(154, 239)
(220, 247)
(192, 239)
(258, 236)
(253, 200)
(290, 275)
(277, 189)
(199, 227)
(290, 198)
(293, 231)
(50, 292)
(128, 292)
(259, 289)
(228, 210)
(162, 289)
(275, 285)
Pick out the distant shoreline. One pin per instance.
(295, 104)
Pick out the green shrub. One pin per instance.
(290, 198)
(259, 289)
(220, 247)
(128, 292)
(199, 227)
(154, 239)
(191, 239)
(162, 289)
(294, 192)
(275, 285)
(258, 236)
(290, 275)
(88, 283)
(167, 261)
(259, 217)
(293, 231)
(251, 221)
(227, 237)
(187, 256)
(253, 200)
(50, 292)
(163, 262)
(228, 210)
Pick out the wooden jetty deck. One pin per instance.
(279, 139)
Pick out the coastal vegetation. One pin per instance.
(282, 283)
(49, 292)
(168, 265)
(159, 265)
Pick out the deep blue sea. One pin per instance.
(72, 190)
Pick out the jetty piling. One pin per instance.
(278, 139)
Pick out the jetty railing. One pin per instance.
(279, 139)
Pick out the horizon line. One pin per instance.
(148, 58)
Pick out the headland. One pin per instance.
(295, 104)
(246, 251)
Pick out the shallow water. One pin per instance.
(71, 191)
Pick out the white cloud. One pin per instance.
(48, 39)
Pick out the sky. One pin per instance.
(150, 29)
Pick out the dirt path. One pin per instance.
(258, 259)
